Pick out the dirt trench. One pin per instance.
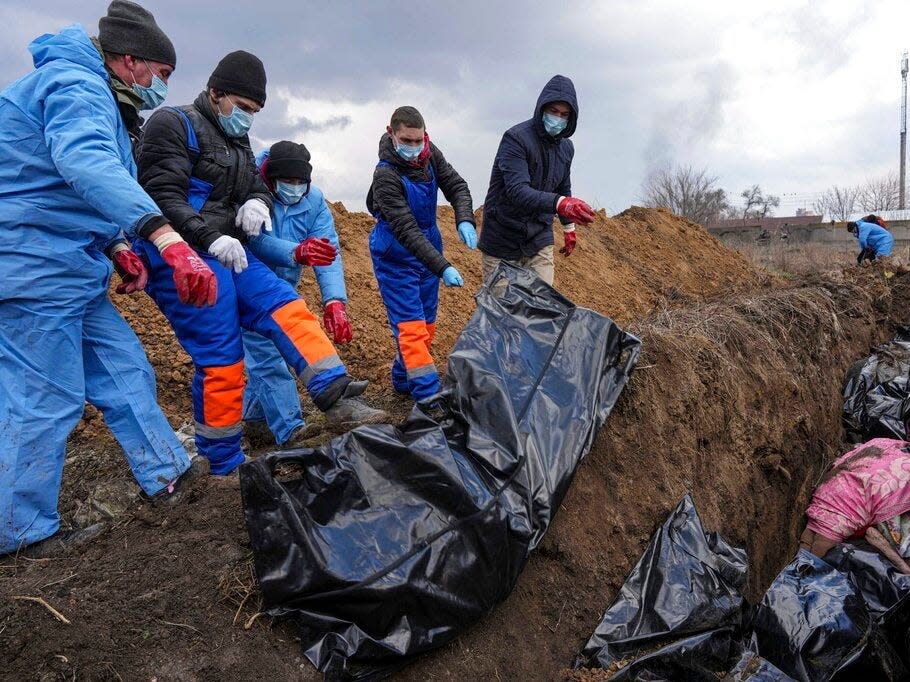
(736, 400)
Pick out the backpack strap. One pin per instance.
(192, 142)
(199, 190)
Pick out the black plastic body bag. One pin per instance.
(680, 613)
(877, 392)
(388, 541)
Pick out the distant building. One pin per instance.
(768, 223)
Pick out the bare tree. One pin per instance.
(879, 194)
(757, 204)
(837, 203)
(686, 191)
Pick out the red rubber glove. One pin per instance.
(570, 239)
(195, 281)
(315, 251)
(335, 319)
(131, 270)
(574, 209)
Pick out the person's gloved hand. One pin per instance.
(570, 238)
(451, 277)
(574, 209)
(315, 251)
(468, 234)
(196, 283)
(132, 270)
(335, 319)
(229, 252)
(251, 217)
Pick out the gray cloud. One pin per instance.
(682, 126)
(490, 59)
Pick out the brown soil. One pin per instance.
(736, 400)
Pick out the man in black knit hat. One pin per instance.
(68, 190)
(197, 164)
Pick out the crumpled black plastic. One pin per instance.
(877, 393)
(388, 541)
(812, 621)
(680, 615)
(680, 612)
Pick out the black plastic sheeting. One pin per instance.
(680, 610)
(680, 615)
(842, 618)
(812, 621)
(388, 541)
(876, 393)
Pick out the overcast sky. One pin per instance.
(793, 96)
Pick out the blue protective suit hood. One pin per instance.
(71, 45)
(558, 89)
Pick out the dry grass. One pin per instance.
(789, 259)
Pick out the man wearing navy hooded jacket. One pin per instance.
(531, 183)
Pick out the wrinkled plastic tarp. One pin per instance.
(388, 541)
(680, 615)
(812, 621)
(876, 402)
(680, 611)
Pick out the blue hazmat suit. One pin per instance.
(271, 390)
(410, 290)
(67, 189)
(874, 237)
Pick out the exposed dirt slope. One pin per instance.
(621, 267)
(736, 400)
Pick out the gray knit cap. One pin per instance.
(130, 29)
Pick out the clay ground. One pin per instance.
(735, 400)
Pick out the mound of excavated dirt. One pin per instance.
(736, 401)
(622, 267)
(729, 396)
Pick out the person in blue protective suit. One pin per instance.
(530, 183)
(406, 246)
(303, 234)
(875, 241)
(196, 162)
(67, 190)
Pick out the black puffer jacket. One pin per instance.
(388, 198)
(227, 163)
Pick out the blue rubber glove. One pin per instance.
(451, 277)
(468, 234)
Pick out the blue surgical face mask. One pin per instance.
(153, 95)
(237, 124)
(289, 193)
(407, 152)
(554, 124)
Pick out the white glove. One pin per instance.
(229, 253)
(251, 217)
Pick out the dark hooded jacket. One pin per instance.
(530, 172)
(165, 168)
(388, 198)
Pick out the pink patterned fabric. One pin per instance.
(870, 484)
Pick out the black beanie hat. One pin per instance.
(289, 160)
(130, 29)
(240, 73)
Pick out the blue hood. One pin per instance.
(71, 45)
(558, 89)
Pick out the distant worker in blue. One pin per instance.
(303, 234)
(68, 193)
(875, 241)
(406, 246)
(531, 183)
(196, 162)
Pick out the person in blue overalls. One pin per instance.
(406, 247)
(303, 234)
(874, 239)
